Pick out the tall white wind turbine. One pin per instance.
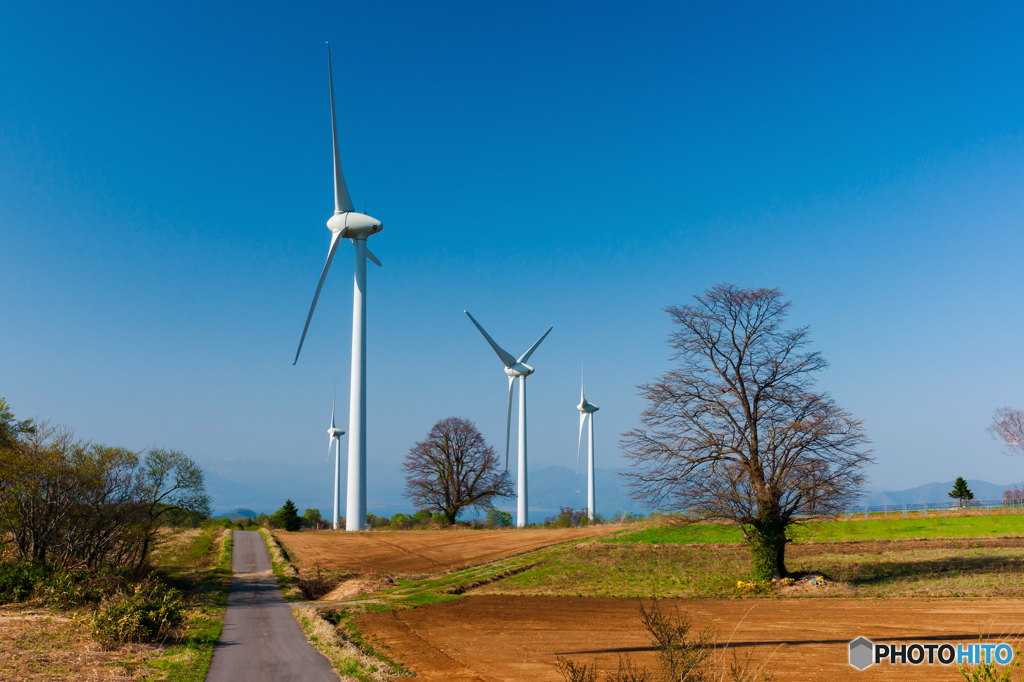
(587, 411)
(516, 369)
(347, 223)
(335, 434)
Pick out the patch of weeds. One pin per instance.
(287, 576)
(333, 633)
(206, 583)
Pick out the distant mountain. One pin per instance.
(933, 493)
(246, 484)
(237, 512)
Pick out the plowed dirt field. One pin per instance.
(420, 551)
(500, 638)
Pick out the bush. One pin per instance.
(439, 519)
(499, 519)
(146, 614)
(681, 658)
(18, 581)
(71, 589)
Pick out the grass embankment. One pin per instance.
(201, 569)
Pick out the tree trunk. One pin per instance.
(768, 548)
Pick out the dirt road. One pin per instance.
(261, 640)
(420, 551)
(500, 638)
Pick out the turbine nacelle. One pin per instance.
(587, 408)
(354, 225)
(519, 370)
(334, 433)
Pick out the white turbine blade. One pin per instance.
(330, 442)
(335, 238)
(333, 403)
(505, 356)
(373, 258)
(527, 354)
(342, 201)
(579, 441)
(508, 424)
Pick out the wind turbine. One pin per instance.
(516, 369)
(335, 434)
(347, 223)
(587, 410)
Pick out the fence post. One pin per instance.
(924, 512)
(865, 513)
(904, 511)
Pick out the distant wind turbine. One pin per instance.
(346, 223)
(587, 410)
(335, 435)
(516, 368)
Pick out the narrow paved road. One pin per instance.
(261, 640)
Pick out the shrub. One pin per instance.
(681, 658)
(499, 519)
(145, 614)
(18, 581)
(439, 518)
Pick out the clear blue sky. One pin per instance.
(165, 177)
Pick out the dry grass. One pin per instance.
(348, 660)
(38, 644)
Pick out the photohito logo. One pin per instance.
(864, 653)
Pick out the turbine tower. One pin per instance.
(335, 434)
(516, 369)
(346, 223)
(587, 410)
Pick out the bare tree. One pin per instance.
(737, 431)
(1007, 427)
(454, 468)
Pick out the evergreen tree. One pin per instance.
(961, 491)
(288, 516)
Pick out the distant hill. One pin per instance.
(243, 485)
(933, 493)
(237, 512)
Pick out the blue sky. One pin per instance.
(165, 177)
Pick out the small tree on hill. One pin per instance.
(960, 491)
(287, 517)
(454, 468)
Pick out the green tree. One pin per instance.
(311, 517)
(10, 428)
(172, 484)
(960, 491)
(287, 517)
(499, 519)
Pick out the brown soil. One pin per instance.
(418, 552)
(492, 638)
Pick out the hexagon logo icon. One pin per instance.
(862, 653)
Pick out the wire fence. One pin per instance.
(1014, 504)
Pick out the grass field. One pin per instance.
(893, 528)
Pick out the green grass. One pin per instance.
(204, 575)
(893, 528)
